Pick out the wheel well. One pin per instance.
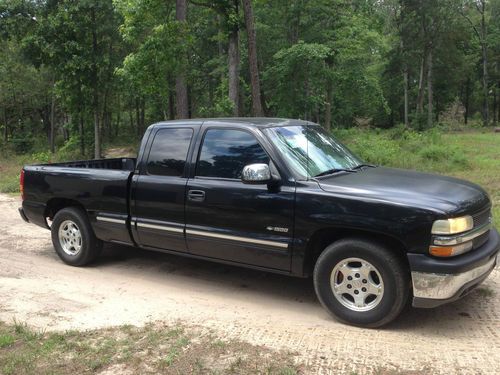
(56, 204)
(326, 236)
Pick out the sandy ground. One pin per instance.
(135, 287)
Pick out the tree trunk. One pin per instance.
(97, 133)
(421, 85)
(429, 90)
(143, 115)
(82, 135)
(485, 64)
(6, 128)
(97, 138)
(252, 59)
(328, 108)
(52, 123)
(131, 120)
(233, 62)
(498, 104)
(466, 101)
(405, 89)
(137, 116)
(495, 98)
(180, 80)
(171, 107)
(118, 117)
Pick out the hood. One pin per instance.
(442, 194)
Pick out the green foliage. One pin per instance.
(406, 148)
(114, 63)
(21, 145)
(297, 79)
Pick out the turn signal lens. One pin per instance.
(452, 226)
(450, 251)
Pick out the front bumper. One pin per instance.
(439, 281)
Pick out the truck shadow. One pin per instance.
(209, 274)
(295, 293)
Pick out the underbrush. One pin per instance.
(405, 148)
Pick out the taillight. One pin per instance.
(21, 184)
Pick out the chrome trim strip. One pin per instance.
(110, 220)
(160, 227)
(237, 238)
(444, 286)
(463, 237)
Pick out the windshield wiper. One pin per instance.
(360, 166)
(334, 170)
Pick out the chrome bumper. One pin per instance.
(437, 288)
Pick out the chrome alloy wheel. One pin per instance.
(70, 237)
(357, 284)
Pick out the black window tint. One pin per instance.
(169, 151)
(225, 152)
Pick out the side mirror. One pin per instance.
(256, 174)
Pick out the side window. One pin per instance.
(169, 151)
(226, 151)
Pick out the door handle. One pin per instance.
(196, 195)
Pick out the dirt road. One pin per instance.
(133, 286)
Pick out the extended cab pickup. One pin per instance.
(277, 195)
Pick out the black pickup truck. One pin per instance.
(277, 195)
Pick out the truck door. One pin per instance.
(159, 190)
(226, 219)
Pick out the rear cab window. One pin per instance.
(168, 153)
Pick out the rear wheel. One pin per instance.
(73, 237)
(361, 283)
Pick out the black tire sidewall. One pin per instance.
(89, 247)
(388, 266)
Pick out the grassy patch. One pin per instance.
(153, 349)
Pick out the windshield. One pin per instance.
(311, 151)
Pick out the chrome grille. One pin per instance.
(482, 217)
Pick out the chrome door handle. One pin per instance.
(196, 195)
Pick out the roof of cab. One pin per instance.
(261, 122)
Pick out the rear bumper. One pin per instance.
(23, 215)
(447, 280)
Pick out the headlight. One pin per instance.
(453, 226)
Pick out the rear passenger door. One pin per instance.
(229, 220)
(159, 190)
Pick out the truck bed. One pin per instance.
(101, 186)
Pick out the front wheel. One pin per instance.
(361, 283)
(73, 237)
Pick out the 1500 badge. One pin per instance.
(278, 229)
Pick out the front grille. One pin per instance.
(479, 241)
(482, 217)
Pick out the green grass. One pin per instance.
(153, 349)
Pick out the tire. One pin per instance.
(73, 238)
(379, 278)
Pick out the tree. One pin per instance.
(252, 59)
(481, 34)
(233, 57)
(180, 79)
